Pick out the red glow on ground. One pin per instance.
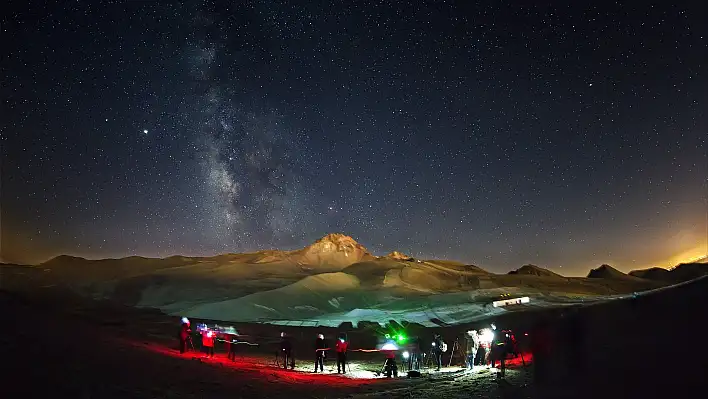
(518, 361)
(252, 365)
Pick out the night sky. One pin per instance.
(564, 136)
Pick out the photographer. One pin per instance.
(184, 335)
(341, 347)
(437, 351)
(320, 352)
(286, 349)
(472, 347)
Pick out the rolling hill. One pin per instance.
(332, 280)
(533, 270)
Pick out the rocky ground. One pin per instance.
(54, 346)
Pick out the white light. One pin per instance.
(406, 355)
(514, 301)
(341, 340)
(389, 347)
(486, 335)
(145, 131)
(185, 320)
(433, 343)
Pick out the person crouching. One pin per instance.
(390, 366)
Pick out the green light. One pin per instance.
(401, 338)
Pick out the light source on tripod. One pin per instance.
(406, 355)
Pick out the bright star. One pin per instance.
(145, 131)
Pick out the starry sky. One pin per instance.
(565, 135)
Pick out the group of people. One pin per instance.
(480, 349)
(489, 349)
(321, 348)
(208, 338)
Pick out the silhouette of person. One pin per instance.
(320, 349)
(341, 347)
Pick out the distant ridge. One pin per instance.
(533, 270)
(678, 273)
(607, 271)
(399, 256)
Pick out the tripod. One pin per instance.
(455, 345)
(189, 338)
(429, 359)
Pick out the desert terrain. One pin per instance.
(333, 281)
(61, 343)
(107, 328)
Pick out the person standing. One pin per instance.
(342, 346)
(499, 351)
(320, 349)
(184, 334)
(437, 351)
(208, 342)
(472, 347)
(286, 349)
(232, 347)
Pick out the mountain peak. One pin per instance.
(606, 271)
(63, 259)
(534, 270)
(338, 239)
(399, 256)
(335, 249)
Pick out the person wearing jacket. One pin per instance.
(232, 346)
(472, 347)
(286, 350)
(437, 351)
(499, 351)
(184, 334)
(390, 366)
(320, 349)
(341, 347)
(208, 342)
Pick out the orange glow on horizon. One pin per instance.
(694, 254)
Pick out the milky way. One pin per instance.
(501, 134)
